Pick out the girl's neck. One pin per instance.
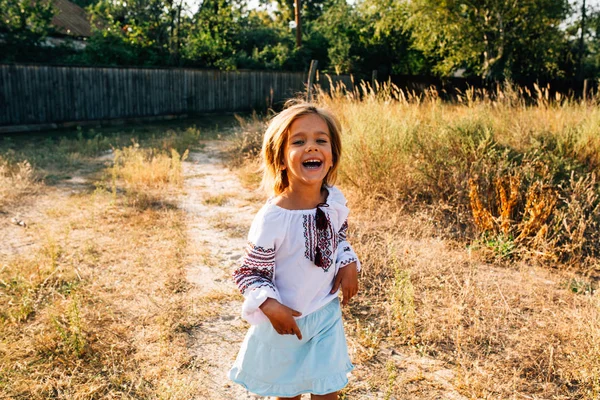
(301, 198)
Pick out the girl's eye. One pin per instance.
(297, 142)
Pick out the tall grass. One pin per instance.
(16, 179)
(514, 177)
(27, 164)
(477, 223)
(146, 174)
(501, 167)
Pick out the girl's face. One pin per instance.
(308, 156)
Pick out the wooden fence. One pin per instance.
(31, 94)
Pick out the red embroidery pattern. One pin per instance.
(256, 269)
(348, 261)
(342, 235)
(309, 233)
(326, 239)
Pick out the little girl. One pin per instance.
(296, 260)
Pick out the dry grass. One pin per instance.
(16, 179)
(477, 225)
(88, 319)
(504, 330)
(217, 200)
(99, 307)
(146, 174)
(225, 223)
(505, 166)
(245, 144)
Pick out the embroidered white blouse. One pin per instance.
(280, 257)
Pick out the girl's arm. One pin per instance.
(254, 275)
(254, 278)
(346, 277)
(348, 267)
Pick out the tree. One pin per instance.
(581, 56)
(592, 60)
(139, 32)
(367, 36)
(212, 38)
(386, 44)
(494, 39)
(24, 25)
(340, 25)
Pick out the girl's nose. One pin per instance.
(310, 148)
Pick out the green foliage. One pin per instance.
(503, 247)
(496, 39)
(133, 33)
(493, 39)
(212, 37)
(579, 59)
(339, 24)
(24, 25)
(368, 35)
(579, 286)
(70, 329)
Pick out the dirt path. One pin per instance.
(220, 212)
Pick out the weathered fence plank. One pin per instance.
(32, 94)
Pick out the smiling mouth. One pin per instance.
(312, 164)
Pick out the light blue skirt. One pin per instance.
(270, 364)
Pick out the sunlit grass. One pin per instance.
(477, 223)
(95, 305)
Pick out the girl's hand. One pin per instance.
(348, 278)
(281, 317)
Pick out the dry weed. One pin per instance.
(512, 169)
(98, 308)
(16, 180)
(505, 331)
(146, 173)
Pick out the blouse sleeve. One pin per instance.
(345, 254)
(254, 277)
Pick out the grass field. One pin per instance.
(483, 250)
(477, 224)
(93, 293)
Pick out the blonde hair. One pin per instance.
(275, 140)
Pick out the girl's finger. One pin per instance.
(297, 332)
